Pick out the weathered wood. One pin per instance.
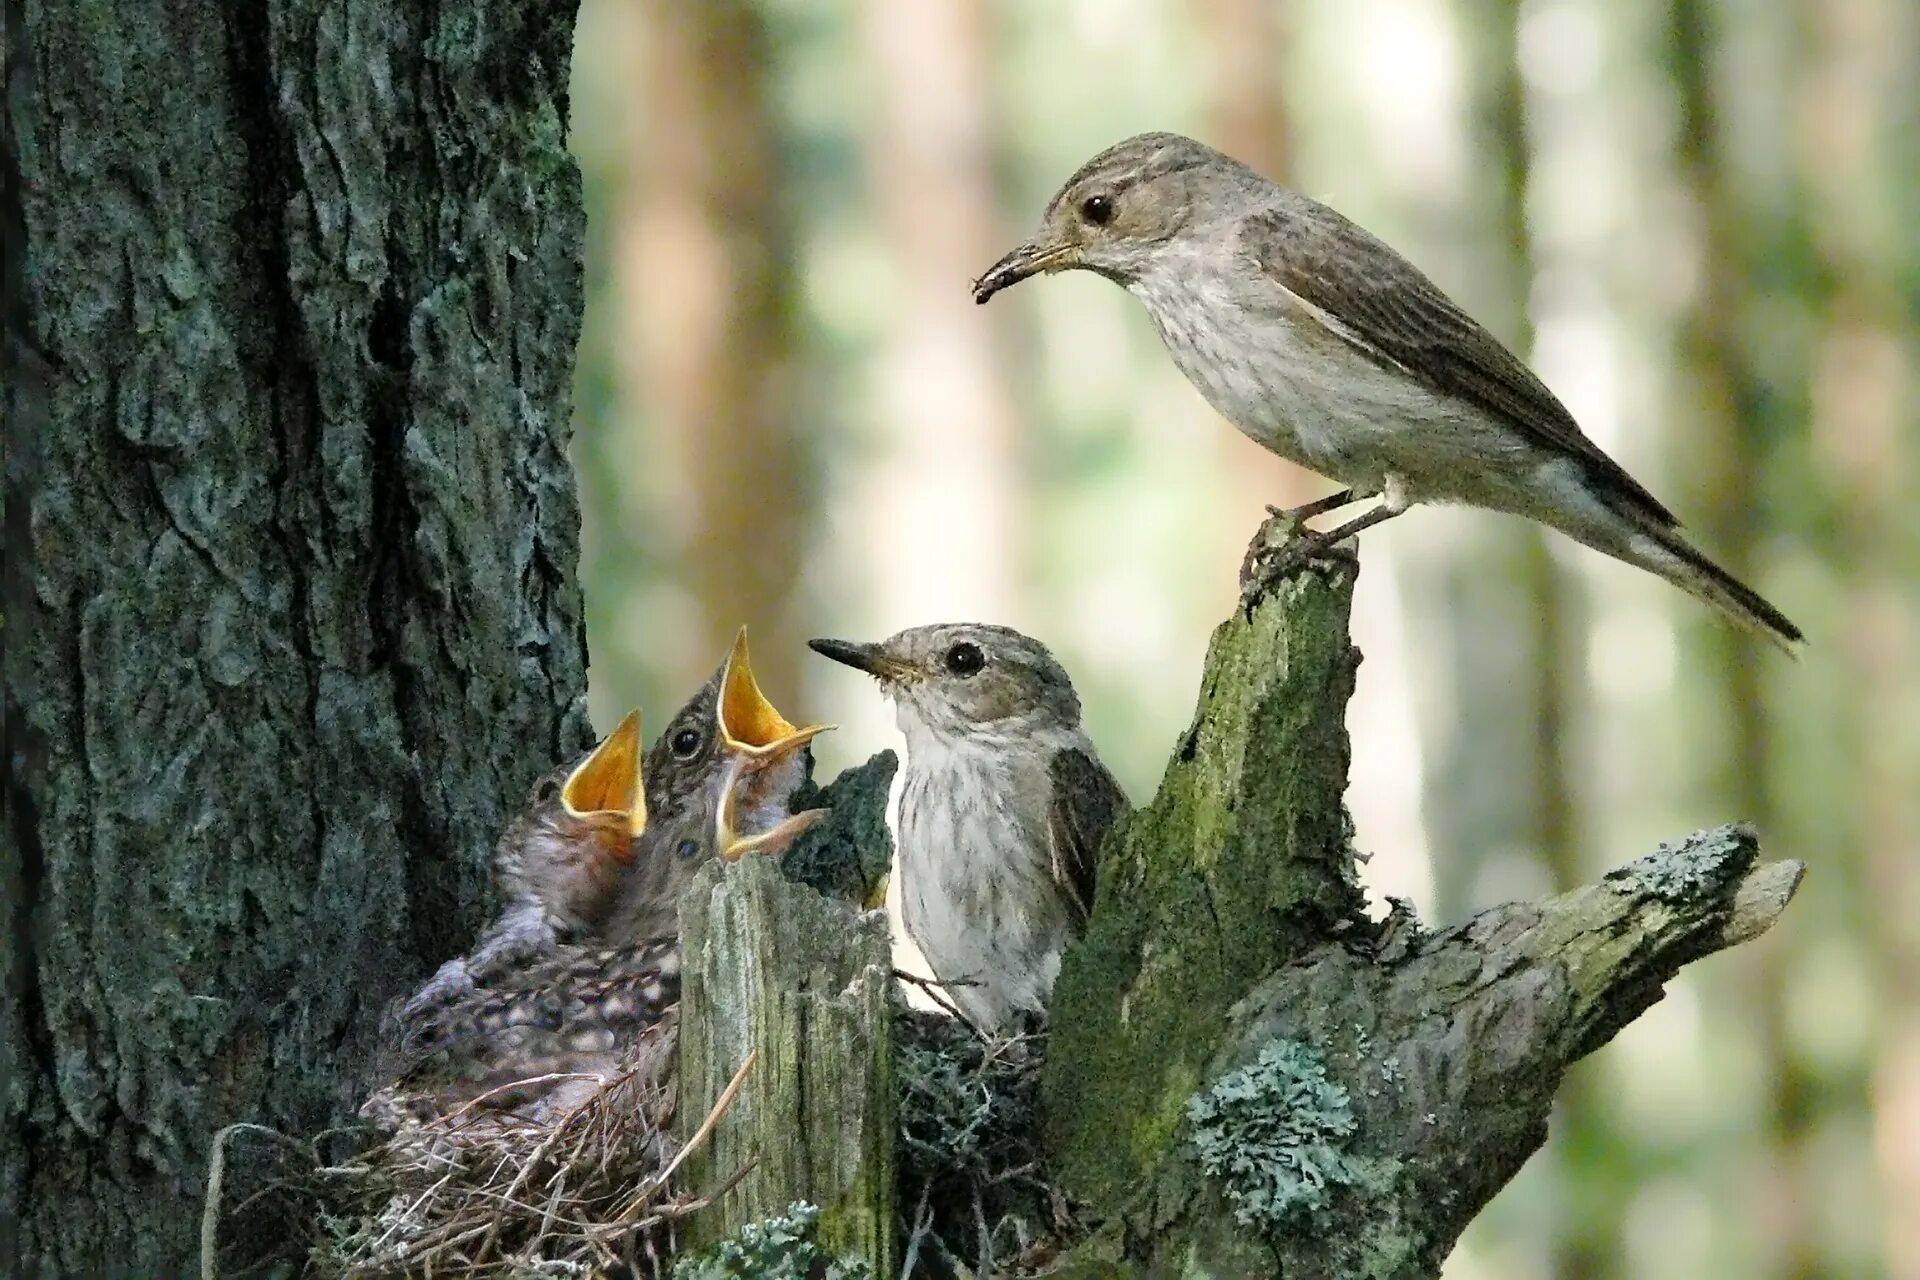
(1250, 1078)
(291, 621)
(773, 969)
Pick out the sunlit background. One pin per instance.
(1700, 220)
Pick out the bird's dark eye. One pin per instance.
(685, 743)
(1097, 209)
(547, 790)
(965, 659)
(689, 847)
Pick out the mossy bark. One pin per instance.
(292, 293)
(801, 982)
(1228, 923)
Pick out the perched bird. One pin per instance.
(1003, 805)
(1330, 349)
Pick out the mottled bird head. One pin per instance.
(1118, 212)
(568, 847)
(729, 718)
(966, 681)
(721, 820)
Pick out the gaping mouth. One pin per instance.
(750, 725)
(608, 781)
(870, 658)
(740, 826)
(1027, 260)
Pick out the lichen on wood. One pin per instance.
(1229, 966)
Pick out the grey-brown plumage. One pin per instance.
(729, 717)
(1003, 804)
(580, 976)
(1330, 349)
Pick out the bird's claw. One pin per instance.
(1282, 548)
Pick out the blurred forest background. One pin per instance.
(1699, 219)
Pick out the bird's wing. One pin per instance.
(1384, 305)
(575, 998)
(1083, 803)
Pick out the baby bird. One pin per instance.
(537, 1037)
(584, 960)
(1003, 805)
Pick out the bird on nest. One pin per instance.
(578, 980)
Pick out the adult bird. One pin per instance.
(1333, 351)
(1003, 803)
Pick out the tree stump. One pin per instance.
(801, 982)
(1248, 1076)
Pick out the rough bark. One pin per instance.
(1412, 1074)
(290, 613)
(800, 983)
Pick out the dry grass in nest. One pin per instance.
(478, 1191)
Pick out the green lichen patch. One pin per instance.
(1275, 1134)
(777, 1248)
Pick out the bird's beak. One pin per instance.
(1029, 259)
(750, 725)
(609, 781)
(870, 658)
(775, 840)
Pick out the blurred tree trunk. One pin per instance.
(1733, 406)
(1247, 47)
(945, 419)
(711, 285)
(1859, 100)
(291, 300)
(1585, 1232)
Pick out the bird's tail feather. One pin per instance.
(1671, 556)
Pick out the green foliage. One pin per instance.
(779, 1248)
(1273, 1132)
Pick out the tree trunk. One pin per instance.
(1370, 1086)
(1247, 1076)
(709, 276)
(290, 615)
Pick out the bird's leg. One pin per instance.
(1318, 507)
(1267, 563)
(1393, 500)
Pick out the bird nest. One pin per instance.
(592, 1192)
(972, 1190)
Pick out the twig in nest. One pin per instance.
(937, 992)
(699, 1138)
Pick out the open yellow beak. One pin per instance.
(609, 780)
(750, 725)
(775, 840)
